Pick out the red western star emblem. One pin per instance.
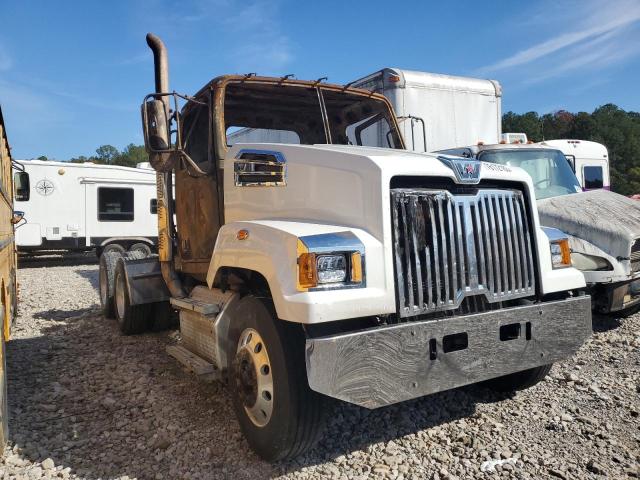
(469, 168)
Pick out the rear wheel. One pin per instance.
(142, 248)
(131, 318)
(279, 415)
(519, 380)
(107, 272)
(164, 317)
(112, 247)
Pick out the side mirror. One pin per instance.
(157, 134)
(156, 126)
(17, 217)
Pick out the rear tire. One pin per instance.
(279, 415)
(519, 380)
(108, 261)
(142, 248)
(165, 317)
(132, 319)
(112, 247)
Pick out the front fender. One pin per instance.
(270, 248)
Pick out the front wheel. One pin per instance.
(279, 415)
(519, 380)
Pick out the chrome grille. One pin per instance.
(448, 247)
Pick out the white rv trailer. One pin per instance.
(82, 206)
(589, 161)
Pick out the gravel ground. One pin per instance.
(86, 402)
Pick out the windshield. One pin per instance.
(549, 169)
(275, 113)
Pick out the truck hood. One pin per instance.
(608, 221)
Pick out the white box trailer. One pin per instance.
(439, 111)
(82, 206)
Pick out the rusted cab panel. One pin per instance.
(7, 271)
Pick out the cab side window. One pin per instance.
(593, 177)
(195, 134)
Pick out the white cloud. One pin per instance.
(602, 36)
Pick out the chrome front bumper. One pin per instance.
(380, 366)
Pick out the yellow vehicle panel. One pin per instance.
(8, 282)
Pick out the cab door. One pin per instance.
(197, 207)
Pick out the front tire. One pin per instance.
(132, 319)
(279, 415)
(519, 380)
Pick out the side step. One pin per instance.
(198, 365)
(195, 306)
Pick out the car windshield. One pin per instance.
(274, 113)
(549, 169)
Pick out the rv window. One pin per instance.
(115, 204)
(22, 188)
(593, 177)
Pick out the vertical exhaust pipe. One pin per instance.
(164, 180)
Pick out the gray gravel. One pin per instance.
(86, 402)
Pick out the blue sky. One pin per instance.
(73, 73)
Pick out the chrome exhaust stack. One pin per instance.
(159, 161)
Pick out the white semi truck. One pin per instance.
(335, 268)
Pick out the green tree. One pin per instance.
(132, 155)
(107, 154)
(43, 157)
(529, 123)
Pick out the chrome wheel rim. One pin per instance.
(254, 378)
(120, 300)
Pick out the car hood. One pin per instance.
(607, 220)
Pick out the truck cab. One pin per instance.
(340, 266)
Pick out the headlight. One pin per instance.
(331, 268)
(559, 245)
(560, 253)
(328, 269)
